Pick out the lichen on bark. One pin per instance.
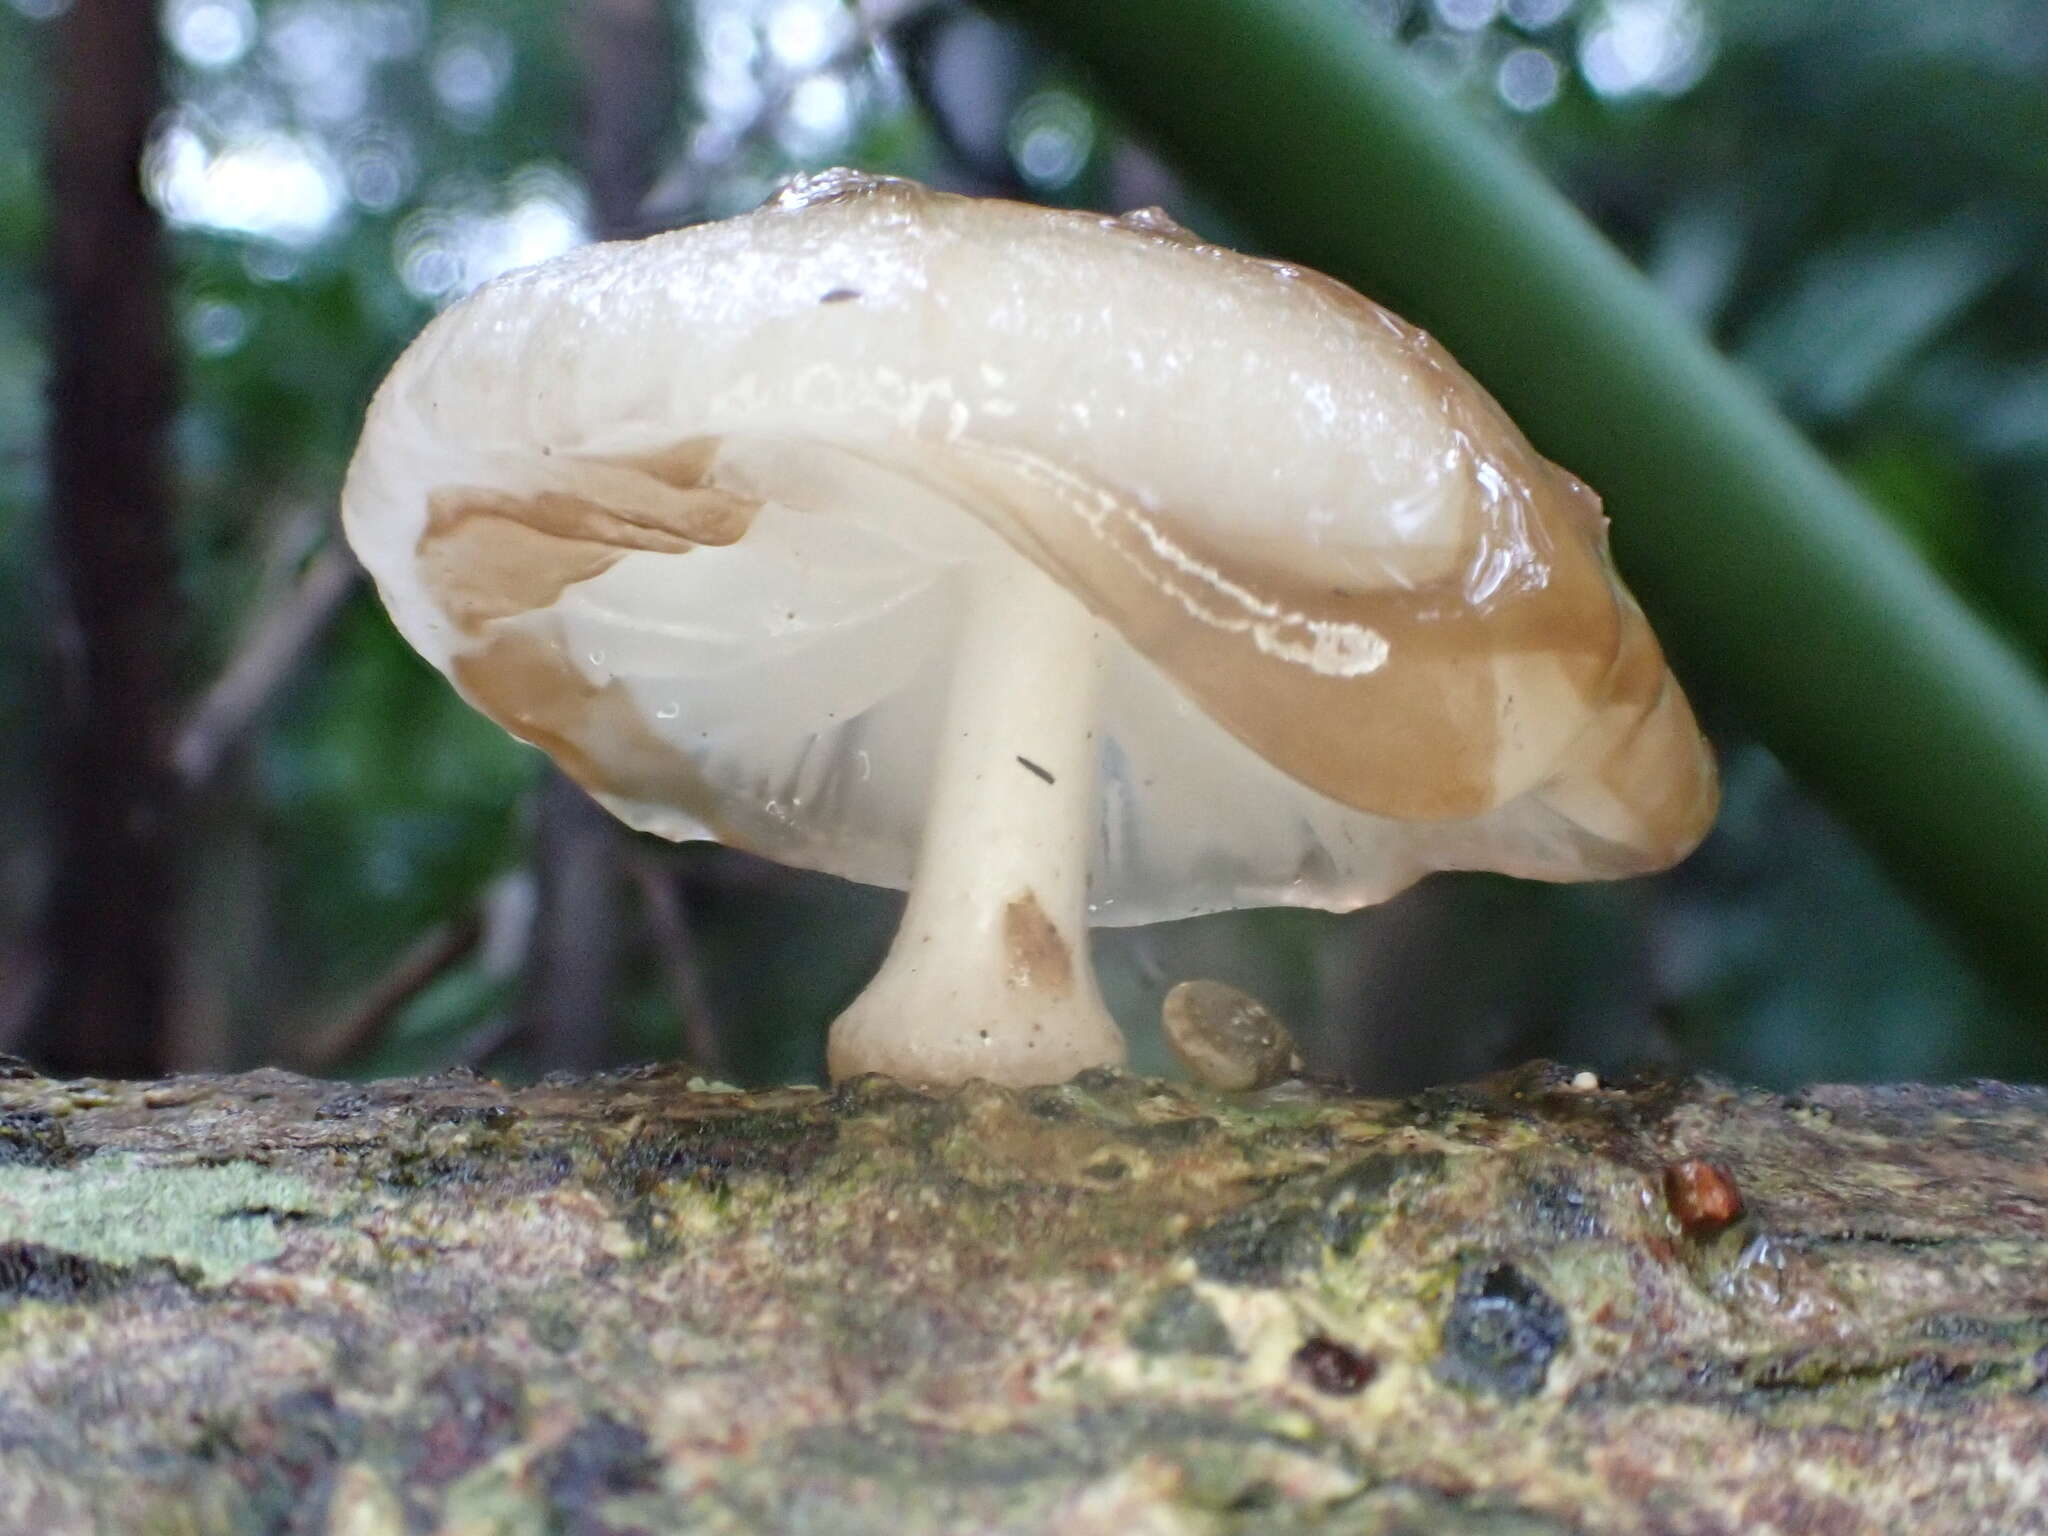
(642, 1303)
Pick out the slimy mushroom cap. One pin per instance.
(710, 517)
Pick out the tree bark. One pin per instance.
(574, 949)
(107, 926)
(1532, 1306)
(628, 52)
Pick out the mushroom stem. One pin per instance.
(989, 973)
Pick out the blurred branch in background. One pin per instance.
(106, 934)
(630, 58)
(719, 152)
(577, 940)
(346, 1033)
(628, 52)
(675, 945)
(273, 651)
(970, 74)
(1775, 584)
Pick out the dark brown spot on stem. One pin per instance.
(1039, 957)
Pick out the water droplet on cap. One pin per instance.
(1157, 221)
(831, 186)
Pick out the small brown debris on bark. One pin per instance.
(1334, 1368)
(1702, 1195)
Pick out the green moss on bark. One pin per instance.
(642, 1303)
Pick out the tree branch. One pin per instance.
(360, 1023)
(274, 648)
(669, 926)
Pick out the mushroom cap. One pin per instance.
(688, 513)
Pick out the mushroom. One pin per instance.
(1056, 568)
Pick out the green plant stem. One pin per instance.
(1775, 586)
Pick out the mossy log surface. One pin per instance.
(637, 1303)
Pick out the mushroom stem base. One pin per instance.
(989, 975)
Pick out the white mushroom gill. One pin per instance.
(1053, 567)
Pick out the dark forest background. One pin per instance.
(241, 823)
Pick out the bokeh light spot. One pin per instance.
(215, 327)
(1466, 15)
(1051, 138)
(1528, 79)
(445, 250)
(803, 34)
(470, 73)
(819, 113)
(210, 34)
(1636, 47)
(1535, 15)
(277, 185)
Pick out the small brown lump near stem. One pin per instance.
(1226, 1038)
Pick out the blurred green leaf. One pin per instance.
(1852, 315)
